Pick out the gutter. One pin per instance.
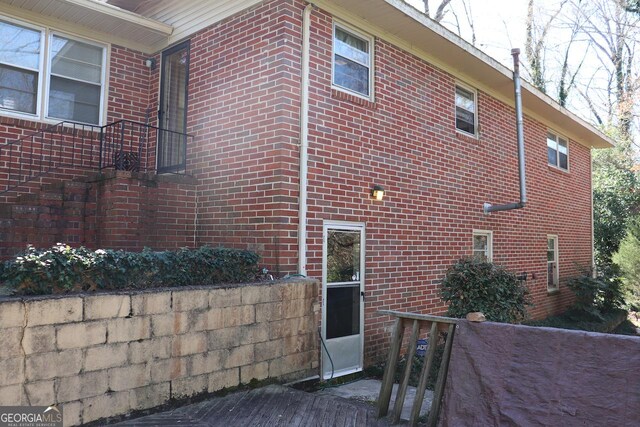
(304, 141)
(488, 207)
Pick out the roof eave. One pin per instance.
(94, 19)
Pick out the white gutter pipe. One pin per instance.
(304, 142)
(488, 207)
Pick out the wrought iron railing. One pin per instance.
(68, 148)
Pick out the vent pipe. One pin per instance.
(488, 207)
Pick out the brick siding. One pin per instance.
(244, 109)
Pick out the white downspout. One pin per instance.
(304, 141)
(594, 270)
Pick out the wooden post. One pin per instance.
(402, 389)
(442, 379)
(424, 375)
(389, 371)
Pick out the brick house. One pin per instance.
(192, 123)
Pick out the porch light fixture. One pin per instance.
(377, 192)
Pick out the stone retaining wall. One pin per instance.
(108, 354)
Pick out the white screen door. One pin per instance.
(342, 298)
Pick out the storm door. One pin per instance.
(342, 298)
(172, 115)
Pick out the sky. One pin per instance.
(499, 24)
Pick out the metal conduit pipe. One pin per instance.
(488, 207)
(304, 142)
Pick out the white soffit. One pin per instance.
(186, 16)
(94, 19)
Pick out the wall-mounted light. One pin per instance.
(377, 192)
(150, 63)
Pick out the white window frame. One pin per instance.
(556, 271)
(43, 47)
(349, 29)
(44, 73)
(489, 235)
(103, 73)
(475, 114)
(558, 136)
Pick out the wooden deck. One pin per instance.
(273, 405)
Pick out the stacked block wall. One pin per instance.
(100, 356)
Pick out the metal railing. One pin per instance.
(69, 148)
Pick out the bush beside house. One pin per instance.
(471, 286)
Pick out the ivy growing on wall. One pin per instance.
(62, 269)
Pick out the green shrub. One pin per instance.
(63, 269)
(471, 285)
(628, 258)
(600, 294)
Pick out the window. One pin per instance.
(483, 246)
(63, 82)
(552, 263)
(75, 80)
(557, 153)
(19, 68)
(466, 110)
(352, 61)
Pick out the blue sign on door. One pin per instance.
(421, 348)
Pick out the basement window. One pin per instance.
(482, 246)
(557, 151)
(62, 82)
(352, 61)
(466, 117)
(553, 278)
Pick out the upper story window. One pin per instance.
(483, 246)
(557, 151)
(466, 117)
(552, 263)
(352, 61)
(63, 82)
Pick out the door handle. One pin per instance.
(362, 295)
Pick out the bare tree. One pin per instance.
(536, 43)
(441, 10)
(613, 32)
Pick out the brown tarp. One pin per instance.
(509, 375)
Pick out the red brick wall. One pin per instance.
(122, 211)
(244, 111)
(437, 181)
(244, 97)
(128, 97)
(130, 81)
(134, 211)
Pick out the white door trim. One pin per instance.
(347, 226)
